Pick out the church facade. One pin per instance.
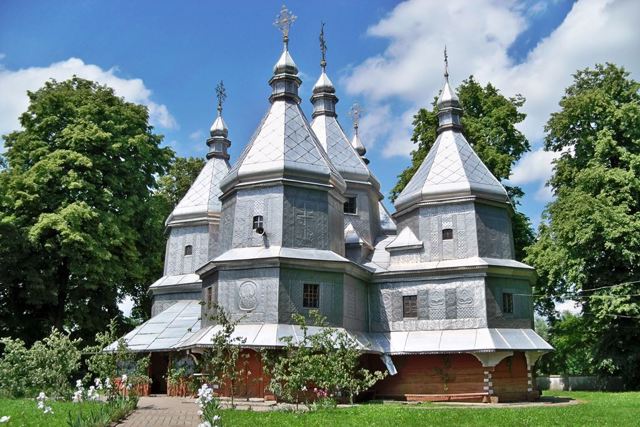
(432, 293)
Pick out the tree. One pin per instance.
(489, 125)
(75, 216)
(588, 247)
(175, 184)
(172, 187)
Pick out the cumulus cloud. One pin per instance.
(196, 135)
(14, 85)
(478, 35)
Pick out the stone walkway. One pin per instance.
(164, 411)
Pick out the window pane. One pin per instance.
(447, 234)
(258, 222)
(410, 306)
(188, 250)
(507, 303)
(311, 295)
(350, 206)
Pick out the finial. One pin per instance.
(283, 21)
(356, 113)
(221, 94)
(446, 63)
(323, 47)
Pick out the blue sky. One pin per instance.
(387, 55)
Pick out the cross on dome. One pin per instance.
(356, 112)
(323, 48)
(221, 94)
(283, 21)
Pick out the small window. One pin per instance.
(410, 306)
(209, 297)
(447, 234)
(258, 222)
(311, 295)
(188, 250)
(507, 303)
(350, 206)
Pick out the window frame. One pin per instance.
(188, 250)
(347, 203)
(447, 234)
(507, 303)
(258, 221)
(209, 297)
(410, 306)
(310, 294)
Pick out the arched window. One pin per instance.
(188, 250)
(447, 234)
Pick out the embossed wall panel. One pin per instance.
(336, 226)
(455, 303)
(250, 295)
(290, 290)
(226, 223)
(267, 202)
(306, 218)
(176, 262)
(494, 232)
(458, 216)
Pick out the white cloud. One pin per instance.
(196, 135)
(478, 35)
(14, 85)
(534, 166)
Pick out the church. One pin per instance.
(432, 293)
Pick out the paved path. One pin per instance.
(164, 411)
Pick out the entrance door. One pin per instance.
(159, 367)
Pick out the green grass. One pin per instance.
(594, 409)
(24, 412)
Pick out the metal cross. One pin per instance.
(446, 63)
(323, 47)
(283, 21)
(356, 113)
(221, 93)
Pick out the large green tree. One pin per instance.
(172, 186)
(77, 224)
(588, 247)
(489, 123)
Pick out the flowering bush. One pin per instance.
(47, 366)
(209, 411)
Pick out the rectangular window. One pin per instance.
(311, 295)
(507, 303)
(209, 297)
(350, 206)
(410, 306)
(258, 222)
(447, 234)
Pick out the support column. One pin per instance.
(532, 357)
(489, 361)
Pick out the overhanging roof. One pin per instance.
(165, 330)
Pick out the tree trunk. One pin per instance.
(59, 311)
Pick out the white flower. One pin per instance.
(41, 396)
(79, 384)
(98, 383)
(124, 378)
(77, 396)
(216, 418)
(205, 424)
(200, 413)
(304, 388)
(107, 383)
(5, 419)
(48, 410)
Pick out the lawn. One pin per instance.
(24, 412)
(594, 409)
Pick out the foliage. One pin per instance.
(588, 247)
(77, 222)
(48, 365)
(176, 182)
(209, 406)
(220, 362)
(589, 409)
(326, 360)
(103, 415)
(573, 342)
(489, 123)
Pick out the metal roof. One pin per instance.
(451, 169)
(165, 330)
(203, 195)
(440, 341)
(182, 279)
